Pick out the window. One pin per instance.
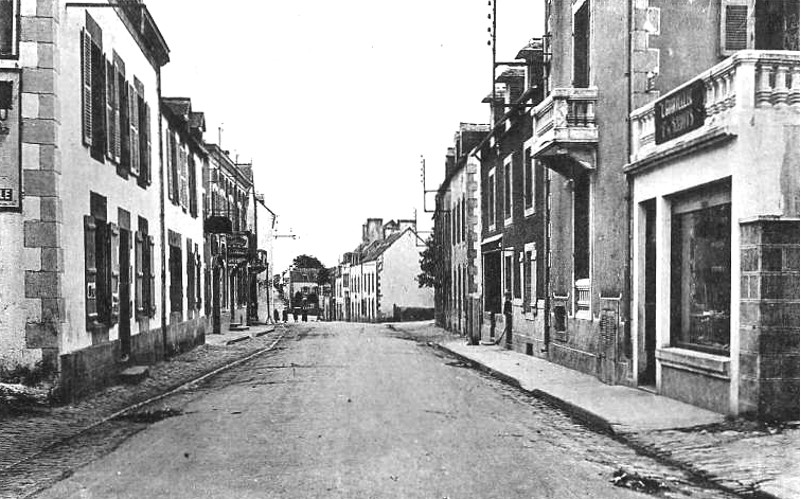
(517, 285)
(529, 271)
(491, 200)
(145, 150)
(183, 172)
(463, 218)
(144, 260)
(581, 46)
(93, 83)
(176, 273)
(581, 227)
(508, 270)
(134, 121)
(198, 273)
(700, 274)
(758, 24)
(101, 266)
(192, 186)
(9, 28)
(528, 182)
(172, 168)
(507, 190)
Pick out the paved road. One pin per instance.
(360, 411)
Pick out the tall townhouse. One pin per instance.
(513, 238)
(714, 175)
(456, 220)
(673, 242)
(80, 193)
(183, 258)
(231, 238)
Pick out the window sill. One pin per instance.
(716, 366)
(507, 222)
(585, 315)
(529, 212)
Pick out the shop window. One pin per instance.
(701, 271)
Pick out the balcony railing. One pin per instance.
(583, 296)
(747, 80)
(566, 115)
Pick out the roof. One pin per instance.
(377, 248)
(180, 107)
(511, 74)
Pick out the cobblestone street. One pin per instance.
(335, 410)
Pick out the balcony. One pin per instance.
(218, 222)
(583, 298)
(715, 104)
(565, 130)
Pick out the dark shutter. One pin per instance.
(736, 25)
(151, 294)
(190, 279)
(111, 96)
(114, 274)
(144, 142)
(192, 185)
(140, 274)
(199, 267)
(86, 84)
(133, 119)
(125, 125)
(90, 266)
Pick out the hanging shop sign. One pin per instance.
(237, 248)
(10, 145)
(680, 112)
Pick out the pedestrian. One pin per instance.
(284, 315)
(295, 314)
(507, 316)
(275, 315)
(305, 315)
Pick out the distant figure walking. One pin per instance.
(285, 316)
(507, 317)
(276, 317)
(305, 315)
(295, 314)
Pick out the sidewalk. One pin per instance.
(27, 433)
(743, 457)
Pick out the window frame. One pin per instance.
(508, 190)
(16, 25)
(491, 200)
(529, 182)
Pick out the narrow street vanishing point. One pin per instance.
(357, 410)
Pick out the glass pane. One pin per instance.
(7, 21)
(701, 279)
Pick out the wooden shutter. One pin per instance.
(90, 266)
(86, 84)
(152, 277)
(734, 26)
(111, 97)
(117, 120)
(192, 185)
(133, 120)
(172, 160)
(140, 274)
(190, 279)
(184, 180)
(199, 266)
(114, 275)
(144, 142)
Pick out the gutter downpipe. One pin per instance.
(627, 333)
(162, 221)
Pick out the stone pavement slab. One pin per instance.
(747, 458)
(232, 337)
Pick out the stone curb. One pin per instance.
(600, 423)
(150, 400)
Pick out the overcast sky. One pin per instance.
(336, 101)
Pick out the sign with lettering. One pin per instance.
(680, 112)
(10, 163)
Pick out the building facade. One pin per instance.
(79, 152)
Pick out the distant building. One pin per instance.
(377, 281)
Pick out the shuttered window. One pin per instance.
(111, 112)
(133, 120)
(734, 26)
(144, 142)
(190, 278)
(183, 172)
(199, 270)
(192, 185)
(172, 169)
(123, 138)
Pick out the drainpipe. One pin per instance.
(162, 221)
(629, 192)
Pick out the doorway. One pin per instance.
(647, 376)
(125, 294)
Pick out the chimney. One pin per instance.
(408, 223)
(390, 228)
(450, 161)
(374, 229)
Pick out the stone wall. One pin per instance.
(769, 319)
